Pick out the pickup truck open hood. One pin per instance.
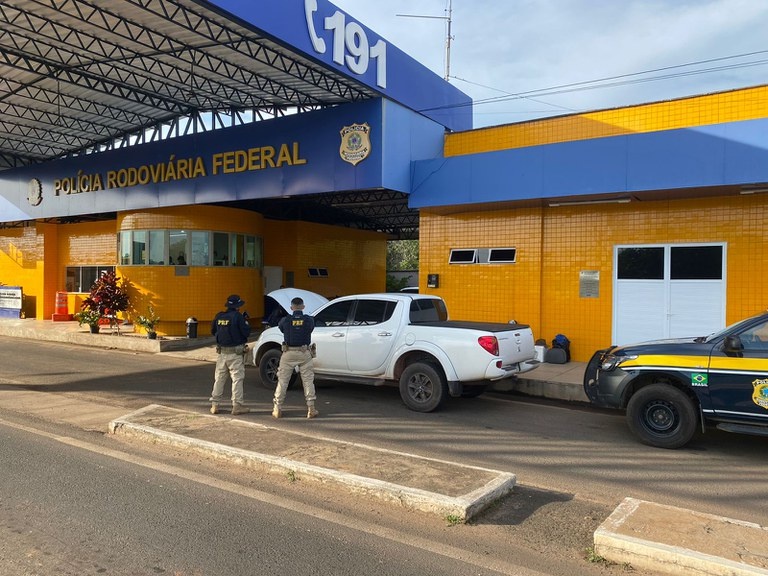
(312, 301)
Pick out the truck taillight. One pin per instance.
(490, 344)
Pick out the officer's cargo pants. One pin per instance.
(288, 361)
(229, 364)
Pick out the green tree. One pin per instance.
(402, 255)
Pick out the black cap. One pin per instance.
(234, 301)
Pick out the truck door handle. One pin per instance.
(385, 334)
(338, 334)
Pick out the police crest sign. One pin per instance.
(355, 143)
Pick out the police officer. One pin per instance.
(297, 351)
(231, 331)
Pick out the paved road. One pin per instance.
(582, 451)
(560, 454)
(67, 509)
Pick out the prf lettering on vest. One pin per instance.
(222, 322)
(297, 323)
(259, 158)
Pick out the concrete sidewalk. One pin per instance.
(643, 534)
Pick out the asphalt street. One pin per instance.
(573, 449)
(574, 464)
(70, 511)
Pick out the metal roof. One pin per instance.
(77, 74)
(80, 76)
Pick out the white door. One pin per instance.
(668, 291)
(273, 278)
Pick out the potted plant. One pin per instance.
(149, 322)
(89, 316)
(108, 296)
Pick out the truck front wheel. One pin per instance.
(661, 415)
(422, 387)
(268, 370)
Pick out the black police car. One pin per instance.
(670, 388)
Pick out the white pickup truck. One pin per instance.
(405, 339)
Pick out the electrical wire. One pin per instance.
(614, 81)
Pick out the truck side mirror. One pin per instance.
(733, 346)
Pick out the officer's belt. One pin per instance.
(302, 347)
(231, 349)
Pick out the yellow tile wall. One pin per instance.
(555, 244)
(21, 265)
(355, 259)
(484, 292)
(204, 291)
(731, 106)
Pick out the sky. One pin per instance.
(517, 58)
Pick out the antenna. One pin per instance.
(448, 37)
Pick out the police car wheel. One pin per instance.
(423, 387)
(268, 370)
(661, 415)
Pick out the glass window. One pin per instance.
(139, 247)
(177, 247)
(157, 246)
(125, 248)
(252, 258)
(468, 256)
(427, 310)
(640, 264)
(81, 278)
(335, 315)
(200, 248)
(755, 338)
(502, 255)
(73, 279)
(372, 312)
(696, 263)
(237, 254)
(220, 249)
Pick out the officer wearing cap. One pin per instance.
(231, 331)
(297, 351)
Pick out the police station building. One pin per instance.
(610, 227)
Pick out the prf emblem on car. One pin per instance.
(760, 393)
(698, 379)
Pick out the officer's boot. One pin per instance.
(312, 411)
(277, 412)
(214, 408)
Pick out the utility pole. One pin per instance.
(448, 37)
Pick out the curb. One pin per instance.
(462, 507)
(619, 539)
(542, 389)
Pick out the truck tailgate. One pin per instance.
(515, 340)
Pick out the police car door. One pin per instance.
(372, 333)
(330, 336)
(738, 375)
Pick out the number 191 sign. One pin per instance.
(351, 47)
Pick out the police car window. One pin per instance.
(335, 315)
(755, 338)
(372, 312)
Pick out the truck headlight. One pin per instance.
(612, 362)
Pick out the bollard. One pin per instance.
(191, 327)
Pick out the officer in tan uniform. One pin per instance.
(297, 351)
(231, 330)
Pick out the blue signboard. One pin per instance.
(366, 145)
(329, 35)
(11, 301)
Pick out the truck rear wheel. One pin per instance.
(422, 387)
(661, 415)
